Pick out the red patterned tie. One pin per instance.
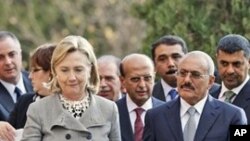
(138, 124)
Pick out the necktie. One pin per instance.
(18, 92)
(138, 125)
(229, 95)
(172, 93)
(190, 127)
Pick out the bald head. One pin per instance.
(137, 72)
(135, 61)
(110, 60)
(109, 73)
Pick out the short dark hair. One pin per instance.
(232, 43)
(168, 40)
(42, 56)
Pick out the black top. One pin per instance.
(18, 116)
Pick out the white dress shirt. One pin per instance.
(235, 90)
(131, 106)
(11, 87)
(184, 108)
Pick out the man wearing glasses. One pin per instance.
(194, 115)
(137, 77)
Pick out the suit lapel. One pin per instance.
(243, 98)
(156, 102)
(5, 99)
(215, 91)
(62, 117)
(158, 91)
(26, 82)
(210, 112)
(126, 129)
(91, 117)
(172, 114)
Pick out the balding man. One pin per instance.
(109, 73)
(194, 115)
(137, 76)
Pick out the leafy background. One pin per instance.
(120, 27)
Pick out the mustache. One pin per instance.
(188, 86)
(171, 71)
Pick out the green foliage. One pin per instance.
(200, 23)
(106, 24)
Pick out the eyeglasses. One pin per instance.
(136, 79)
(193, 74)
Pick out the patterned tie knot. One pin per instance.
(138, 111)
(229, 95)
(191, 111)
(172, 93)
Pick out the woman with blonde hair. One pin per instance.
(73, 112)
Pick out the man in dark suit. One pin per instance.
(233, 57)
(195, 115)
(166, 53)
(13, 82)
(137, 76)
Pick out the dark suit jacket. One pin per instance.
(164, 124)
(125, 124)
(6, 102)
(18, 116)
(158, 91)
(242, 99)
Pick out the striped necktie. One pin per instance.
(229, 96)
(138, 124)
(190, 127)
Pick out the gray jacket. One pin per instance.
(48, 121)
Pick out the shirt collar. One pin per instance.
(166, 87)
(236, 90)
(131, 105)
(198, 106)
(11, 87)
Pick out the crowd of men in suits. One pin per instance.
(155, 111)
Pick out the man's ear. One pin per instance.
(211, 81)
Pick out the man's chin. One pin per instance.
(230, 85)
(11, 79)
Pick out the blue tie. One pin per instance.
(18, 92)
(172, 93)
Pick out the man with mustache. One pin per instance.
(109, 74)
(195, 115)
(13, 81)
(137, 77)
(166, 53)
(233, 57)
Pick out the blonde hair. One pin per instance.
(68, 45)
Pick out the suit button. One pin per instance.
(89, 137)
(68, 136)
